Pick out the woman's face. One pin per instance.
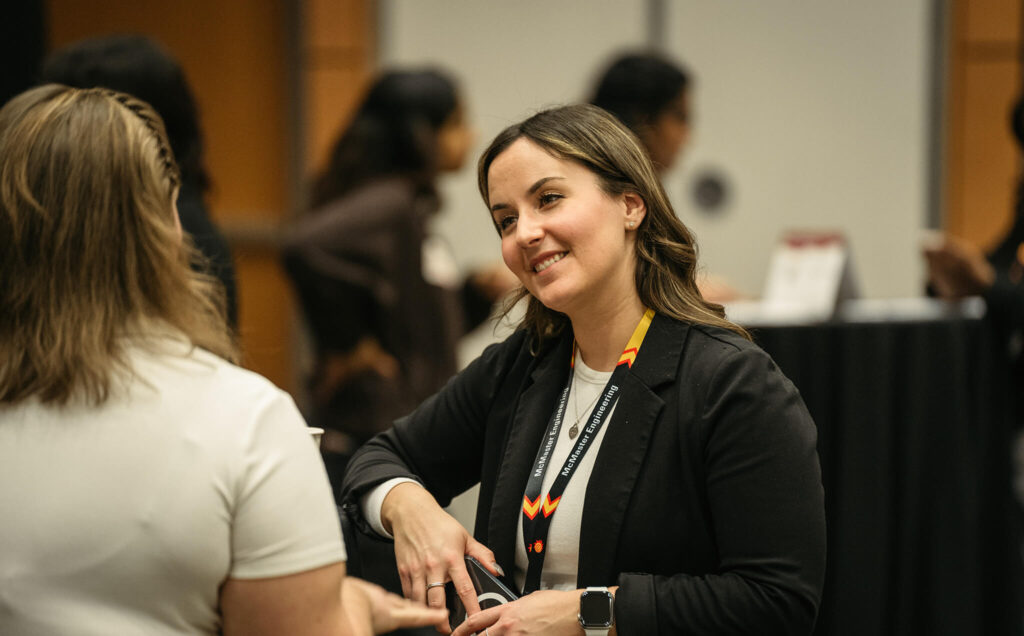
(562, 235)
(666, 135)
(454, 139)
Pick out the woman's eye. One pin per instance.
(506, 222)
(548, 198)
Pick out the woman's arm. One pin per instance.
(318, 602)
(756, 447)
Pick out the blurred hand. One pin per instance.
(957, 269)
(339, 368)
(542, 613)
(430, 546)
(495, 281)
(371, 607)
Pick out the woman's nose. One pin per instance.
(528, 230)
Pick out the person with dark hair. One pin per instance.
(957, 269)
(148, 485)
(649, 94)
(644, 468)
(381, 295)
(137, 65)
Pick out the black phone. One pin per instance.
(490, 592)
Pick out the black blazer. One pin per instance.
(705, 504)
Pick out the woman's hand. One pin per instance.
(364, 603)
(430, 546)
(542, 613)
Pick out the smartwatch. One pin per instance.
(596, 611)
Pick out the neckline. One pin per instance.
(588, 375)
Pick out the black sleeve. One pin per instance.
(441, 443)
(766, 505)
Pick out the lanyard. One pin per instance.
(536, 513)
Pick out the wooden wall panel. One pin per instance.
(990, 160)
(982, 161)
(339, 59)
(991, 20)
(235, 54)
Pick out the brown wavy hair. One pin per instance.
(92, 255)
(666, 250)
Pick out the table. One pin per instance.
(915, 421)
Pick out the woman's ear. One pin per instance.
(636, 209)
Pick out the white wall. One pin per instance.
(815, 111)
(512, 58)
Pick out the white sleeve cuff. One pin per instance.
(373, 501)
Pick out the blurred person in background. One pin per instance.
(650, 94)
(137, 65)
(384, 300)
(957, 269)
(148, 485)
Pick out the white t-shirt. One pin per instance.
(126, 518)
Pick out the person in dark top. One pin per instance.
(383, 298)
(137, 65)
(957, 269)
(644, 468)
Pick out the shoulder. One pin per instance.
(711, 345)
(203, 382)
(718, 361)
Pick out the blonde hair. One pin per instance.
(666, 250)
(92, 255)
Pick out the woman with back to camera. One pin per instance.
(148, 486)
(381, 295)
(643, 467)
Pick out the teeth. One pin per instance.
(543, 265)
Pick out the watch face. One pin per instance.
(596, 609)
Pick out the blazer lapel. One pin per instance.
(624, 450)
(533, 412)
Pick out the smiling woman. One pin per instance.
(691, 424)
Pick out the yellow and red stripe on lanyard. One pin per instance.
(632, 347)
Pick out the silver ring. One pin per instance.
(430, 585)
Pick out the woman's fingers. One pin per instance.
(464, 586)
(481, 553)
(477, 623)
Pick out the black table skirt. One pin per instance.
(915, 423)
